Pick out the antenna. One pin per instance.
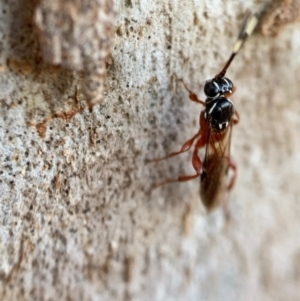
(247, 29)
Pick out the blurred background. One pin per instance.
(88, 93)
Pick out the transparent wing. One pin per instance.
(215, 168)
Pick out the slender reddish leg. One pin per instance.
(192, 95)
(236, 117)
(185, 147)
(226, 210)
(233, 166)
(197, 164)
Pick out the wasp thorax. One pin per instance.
(217, 86)
(219, 113)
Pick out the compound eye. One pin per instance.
(211, 89)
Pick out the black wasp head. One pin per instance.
(217, 86)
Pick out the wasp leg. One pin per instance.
(226, 210)
(236, 117)
(193, 96)
(227, 213)
(233, 166)
(185, 147)
(197, 164)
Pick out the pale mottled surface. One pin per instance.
(77, 35)
(76, 220)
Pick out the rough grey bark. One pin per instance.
(77, 220)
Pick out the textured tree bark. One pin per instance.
(77, 219)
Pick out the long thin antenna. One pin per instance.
(247, 29)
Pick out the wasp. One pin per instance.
(216, 122)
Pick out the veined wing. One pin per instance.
(215, 167)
